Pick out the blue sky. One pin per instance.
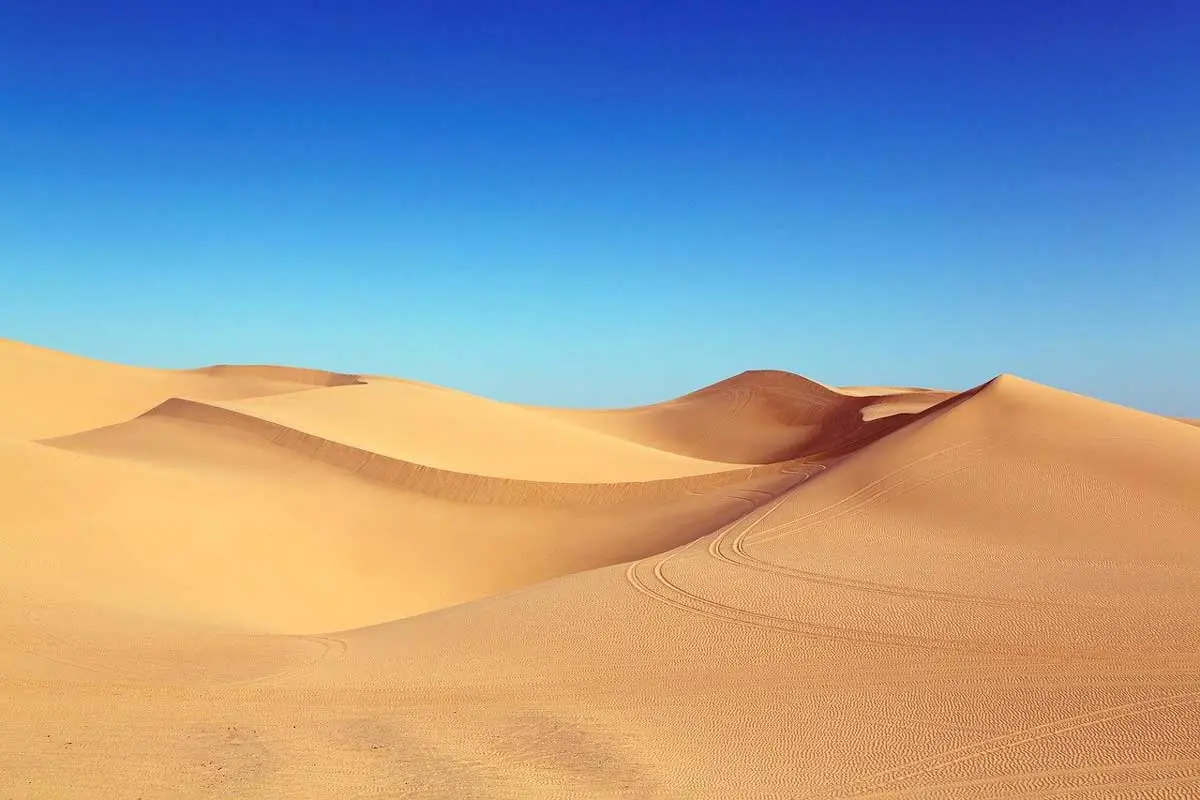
(604, 204)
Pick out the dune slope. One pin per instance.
(314, 500)
(225, 527)
(997, 601)
(46, 393)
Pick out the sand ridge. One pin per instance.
(45, 393)
(279, 582)
(191, 424)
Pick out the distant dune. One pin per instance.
(261, 581)
(761, 417)
(45, 393)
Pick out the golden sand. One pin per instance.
(271, 582)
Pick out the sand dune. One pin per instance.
(221, 526)
(254, 582)
(189, 432)
(758, 417)
(45, 393)
(464, 433)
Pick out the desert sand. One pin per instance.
(274, 582)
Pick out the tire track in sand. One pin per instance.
(875, 785)
(1189, 766)
(658, 585)
(676, 596)
(733, 549)
(330, 644)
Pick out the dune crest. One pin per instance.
(418, 478)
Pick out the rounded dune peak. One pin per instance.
(754, 417)
(766, 379)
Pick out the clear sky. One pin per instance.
(614, 202)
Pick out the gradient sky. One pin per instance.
(614, 202)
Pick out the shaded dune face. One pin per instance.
(280, 582)
(762, 417)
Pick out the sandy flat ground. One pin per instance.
(273, 582)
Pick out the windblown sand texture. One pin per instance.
(268, 582)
